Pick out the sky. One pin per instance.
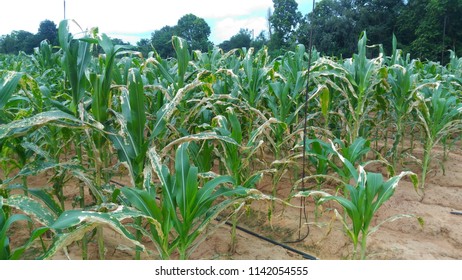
(133, 20)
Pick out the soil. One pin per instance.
(439, 238)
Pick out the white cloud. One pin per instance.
(135, 16)
(27, 14)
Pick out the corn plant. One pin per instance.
(8, 84)
(361, 201)
(74, 225)
(131, 143)
(285, 109)
(76, 59)
(354, 86)
(402, 82)
(185, 208)
(321, 155)
(438, 112)
(254, 74)
(44, 57)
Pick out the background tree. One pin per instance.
(47, 31)
(428, 28)
(190, 27)
(162, 41)
(242, 39)
(259, 41)
(337, 24)
(334, 31)
(144, 46)
(25, 41)
(284, 21)
(18, 41)
(195, 30)
(379, 19)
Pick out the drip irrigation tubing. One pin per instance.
(304, 255)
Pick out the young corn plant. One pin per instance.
(321, 155)
(285, 109)
(361, 201)
(131, 142)
(76, 59)
(255, 70)
(439, 113)
(237, 159)
(354, 85)
(185, 209)
(402, 81)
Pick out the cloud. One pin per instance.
(223, 9)
(27, 15)
(133, 17)
(142, 16)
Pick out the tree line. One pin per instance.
(426, 29)
(20, 40)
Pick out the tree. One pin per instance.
(259, 41)
(47, 31)
(242, 39)
(334, 31)
(428, 28)
(337, 24)
(284, 21)
(118, 41)
(162, 41)
(379, 19)
(195, 31)
(144, 46)
(189, 27)
(18, 41)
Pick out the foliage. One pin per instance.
(47, 31)
(361, 200)
(185, 207)
(25, 41)
(17, 41)
(189, 27)
(428, 29)
(242, 39)
(284, 21)
(162, 41)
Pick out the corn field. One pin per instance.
(162, 151)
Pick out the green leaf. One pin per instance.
(4, 240)
(137, 121)
(141, 200)
(57, 118)
(32, 208)
(182, 53)
(8, 85)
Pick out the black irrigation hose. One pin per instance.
(304, 255)
(456, 212)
